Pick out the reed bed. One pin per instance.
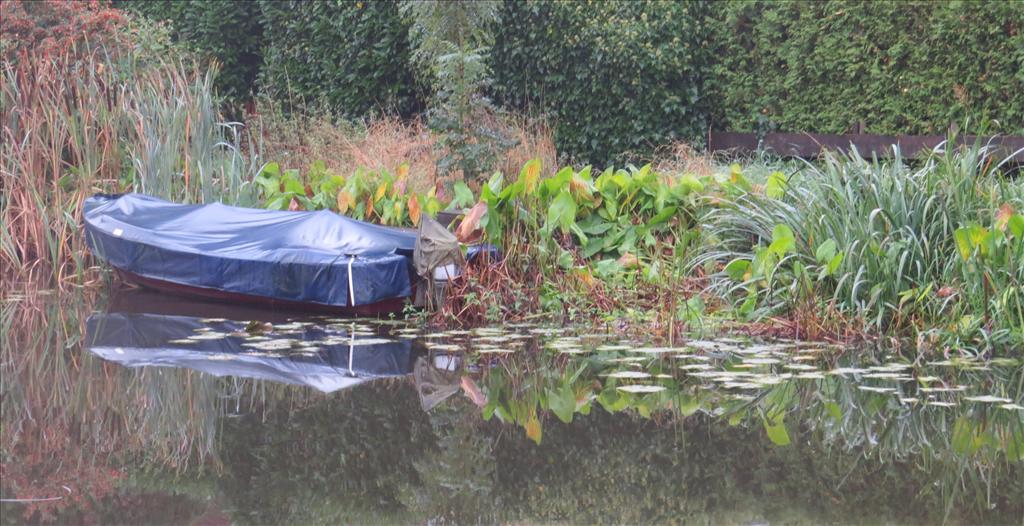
(106, 120)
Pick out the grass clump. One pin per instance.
(888, 246)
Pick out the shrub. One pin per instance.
(55, 26)
(897, 67)
(226, 30)
(617, 78)
(353, 55)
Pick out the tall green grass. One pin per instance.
(894, 222)
(108, 120)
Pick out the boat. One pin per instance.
(294, 259)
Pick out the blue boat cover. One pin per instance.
(314, 257)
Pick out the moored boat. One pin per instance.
(312, 260)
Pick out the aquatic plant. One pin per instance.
(897, 247)
(107, 118)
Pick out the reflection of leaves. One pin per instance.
(533, 430)
(562, 402)
(776, 429)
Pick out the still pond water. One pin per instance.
(143, 409)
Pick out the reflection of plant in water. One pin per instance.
(341, 461)
(963, 449)
(458, 473)
(73, 420)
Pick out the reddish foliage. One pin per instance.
(50, 27)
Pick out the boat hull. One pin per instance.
(380, 308)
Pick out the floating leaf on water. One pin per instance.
(221, 357)
(769, 380)
(874, 389)
(289, 326)
(940, 404)
(697, 357)
(712, 345)
(928, 379)
(613, 347)
(909, 400)
(943, 389)
(1004, 362)
(653, 350)
(270, 345)
(208, 336)
(547, 331)
(213, 320)
(627, 374)
(663, 375)
(1012, 407)
(627, 359)
(894, 366)
(637, 388)
(810, 376)
(493, 350)
(987, 399)
(182, 340)
(695, 367)
(847, 370)
(444, 346)
(761, 361)
(369, 341)
(576, 350)
(889, 376)
(799, 367)
(741, 385)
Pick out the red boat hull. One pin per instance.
(388, 306)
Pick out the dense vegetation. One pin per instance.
(619, 78)
(929, 251)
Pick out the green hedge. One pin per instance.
(352, 55)
(227, 30)
(897, 67)
(617, 77)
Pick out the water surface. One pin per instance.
(144, 408)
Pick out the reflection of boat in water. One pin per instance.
(325, 357)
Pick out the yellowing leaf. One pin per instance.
(345, 200)
(403, 170)
(1003, 216)
(530, 176)
(414, 209)
(533, 430)
(381, 190)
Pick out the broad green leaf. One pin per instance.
(463, 196)
(737, 269)
(783, 240)
(662, 216)
(776, 185)
(1016, 225)
(826, 251)
(562, 211)
(689, 183)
